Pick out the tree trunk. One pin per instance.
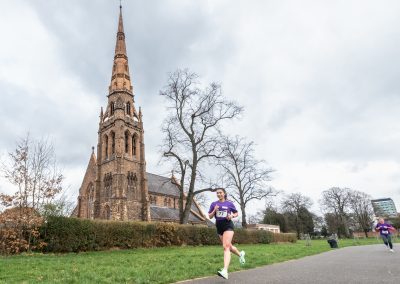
(188, 206)
(346, 228)
(190, 195)
(181, 196)
(244, 222)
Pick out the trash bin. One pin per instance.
(333, 243)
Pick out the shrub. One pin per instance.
(64, 234)
(19, 230)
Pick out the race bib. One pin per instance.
(222, 214)
(385, 232)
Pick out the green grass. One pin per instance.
(158, 265)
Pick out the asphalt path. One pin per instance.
(360, 264)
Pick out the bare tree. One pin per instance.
(297, 205)
(192, 129)
(32, 169)
(246, 176)
(361, 207)
(336, 200)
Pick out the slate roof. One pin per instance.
(165, 213)
(161, 185)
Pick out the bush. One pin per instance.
(64, 234)
(19, 231)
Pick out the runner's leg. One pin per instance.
(233, 248)
(385, 240)
(227, 243)
(389, 239)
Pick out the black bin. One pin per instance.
(333, 243)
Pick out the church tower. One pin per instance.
(116, 185)
(121, 190)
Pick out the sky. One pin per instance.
(318, 80)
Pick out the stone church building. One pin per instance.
(116, 185)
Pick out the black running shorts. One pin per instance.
(224, 225)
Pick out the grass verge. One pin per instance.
(158, 265)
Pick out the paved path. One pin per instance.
(362, 264)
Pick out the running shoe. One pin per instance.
(391, 250)
(223, 273)
(241, 257)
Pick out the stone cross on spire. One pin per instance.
(120, 79)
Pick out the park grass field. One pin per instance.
(155, 265)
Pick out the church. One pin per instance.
(116, 185)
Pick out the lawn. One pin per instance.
(157, 265)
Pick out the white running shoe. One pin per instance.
(391, 250)
(241, 257)
(223, 273)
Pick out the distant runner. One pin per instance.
(224, 210)
(385, 232)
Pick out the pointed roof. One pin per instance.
(90, 174)
(120, 79)
(120, 47)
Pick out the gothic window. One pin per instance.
(108, 184)
(128, 108)
(132, 182)
(134, 145)
(153, 199)
(126, 142)
(106, 146)
(169, 202)
(107, 212)
(112, 108)
(90, 197)
(165, 202)
(112, 142)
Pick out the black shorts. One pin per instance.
(224, 225)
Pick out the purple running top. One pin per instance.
(224, 208)
(384, 228)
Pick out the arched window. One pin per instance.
(134, 145)
(169, 202)
(106, 146)
(112, 108)
(108, 184)
(107, 212)
(165, 202)
(132, 181)
(112, 142)
(126, 142)
(128, 108)
(90, 205)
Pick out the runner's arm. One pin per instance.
(211, 214)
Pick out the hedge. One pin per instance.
(64, 234)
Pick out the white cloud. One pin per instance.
(318, 80)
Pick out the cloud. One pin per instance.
(318, 81)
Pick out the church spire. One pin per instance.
(120, 79)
